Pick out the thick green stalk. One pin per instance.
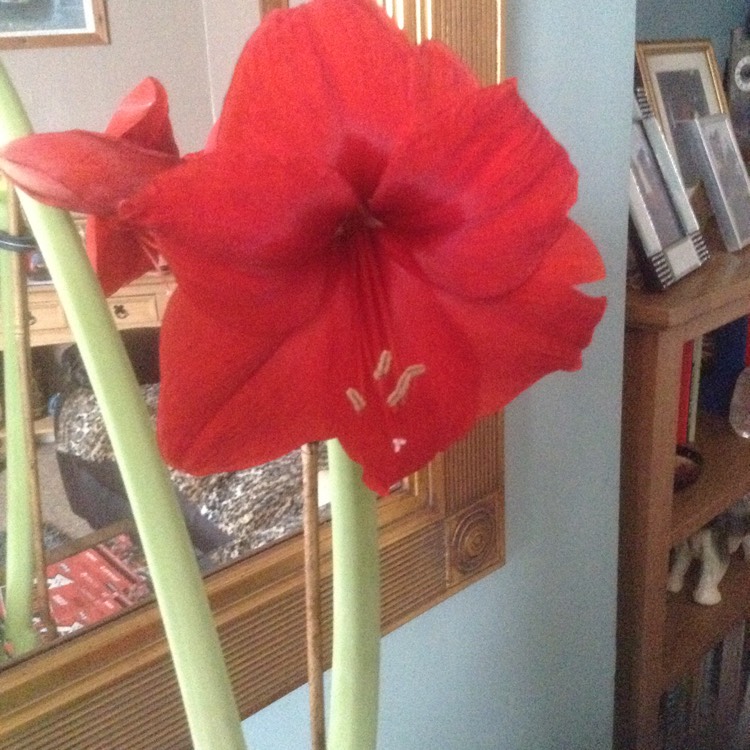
(356, 606)
(196, 652)
(20, 463)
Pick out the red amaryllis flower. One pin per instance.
(93, 173)
(375, 248)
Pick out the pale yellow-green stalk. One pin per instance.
(193, 641)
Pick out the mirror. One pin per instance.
(95, 565)
(439, 530)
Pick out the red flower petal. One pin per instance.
(225, 401)
(119, 253)
(427, 396)
(480, 195)
(81, 171)
(116, 252)
(244, 237)
(93, 173)
(142, 117)
(439, 81)
(541, 327)
(327, 80)
(393, 393)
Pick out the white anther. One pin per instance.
(398, 394)
(356, 398)
(384, 365)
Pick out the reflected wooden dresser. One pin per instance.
(138, 305)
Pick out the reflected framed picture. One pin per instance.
(717, 155)
(52, 23)
(665, 232)
(681, 81)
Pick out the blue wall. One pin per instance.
(525, 657)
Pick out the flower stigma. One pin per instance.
(398, 444)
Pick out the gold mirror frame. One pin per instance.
(114, 685)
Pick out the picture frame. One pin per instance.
(681, 81)
(52, 23)
(717, 154)
(665, 231)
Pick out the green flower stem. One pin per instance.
(20, 463)
(356, 606)
(196, 651)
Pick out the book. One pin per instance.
(683, 407)
(695, 382)
(726, 349)
(96, 583)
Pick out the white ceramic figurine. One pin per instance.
(712, 546)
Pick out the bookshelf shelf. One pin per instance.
(661, 636)
(724, 282)
(692, 629)
(725, 478)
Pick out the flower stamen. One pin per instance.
(398, 394)
(384, 365)
(356, 398)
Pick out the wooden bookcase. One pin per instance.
(662, 637)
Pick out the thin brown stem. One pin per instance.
(312, 594)
(268, 5)
(21, 335)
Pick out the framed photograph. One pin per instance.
(52, 23)
(681, 81)
(667, 236)
(717, 154)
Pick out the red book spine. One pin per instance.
(683, 409)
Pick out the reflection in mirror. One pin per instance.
(95, 566)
